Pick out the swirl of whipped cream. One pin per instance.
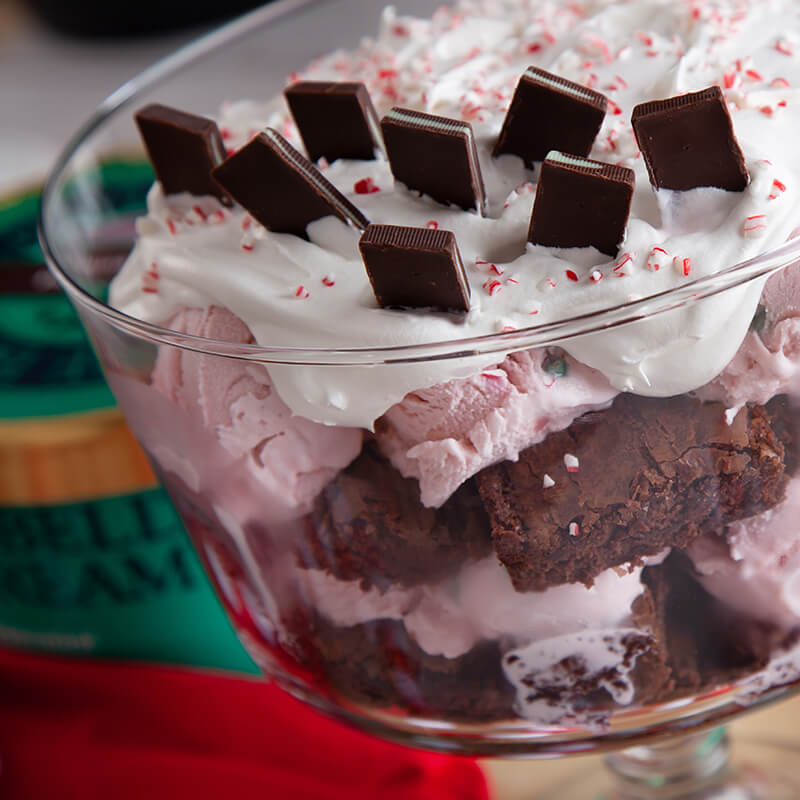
(465, 63)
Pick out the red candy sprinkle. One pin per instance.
(778, 187)
(624, 259)
(492, 287)
(571, 275)
(365, 186)
(683, 265)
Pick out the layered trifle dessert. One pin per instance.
(464, 528)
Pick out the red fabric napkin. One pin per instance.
(72, 728)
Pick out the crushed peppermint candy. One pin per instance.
(778, 188)
(532, 307)
(555, 365)
(574, 529)
(504, 326)
(365, 186)
(492, 287)
(754, 226)
(619, 268)
(547, 482)
(301, 293)
(658, 258)
(571, 462)
(683, 266)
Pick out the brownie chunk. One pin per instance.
(625, 483)
(708, 645)
(369, 524)
(377, 663)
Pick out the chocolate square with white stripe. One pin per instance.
(281, 188)
(415, 268)
(335, 119)
(581, 203)
(435, 156)
(183, 149)
(548, 113)
(688, 141)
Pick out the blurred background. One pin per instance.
(89, 46)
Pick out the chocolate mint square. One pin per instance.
(688, 141)
(435, 156)
(581, 203)
(415, 268)
(548, 113)
(335, 120)
(281, 188)
(183, 149)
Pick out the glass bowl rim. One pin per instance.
(543, 334)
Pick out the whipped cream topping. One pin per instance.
(465, 63)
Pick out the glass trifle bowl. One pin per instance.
(466, 531)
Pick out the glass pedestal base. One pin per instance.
(700, 766)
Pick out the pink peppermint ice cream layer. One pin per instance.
(290, 458)
(479, 603)
(447, 433)
(768, 362)
(757, 572)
